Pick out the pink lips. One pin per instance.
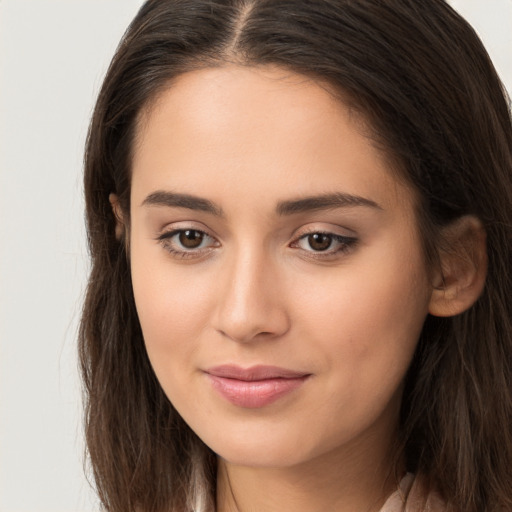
(254, 387)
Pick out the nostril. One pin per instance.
(247, 307)
(246, 335)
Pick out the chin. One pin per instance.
(257, 457)
(269, 447)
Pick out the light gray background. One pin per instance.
(53, 55)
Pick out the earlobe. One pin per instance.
(118, 214)
(463, 268)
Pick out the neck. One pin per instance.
(345, 480)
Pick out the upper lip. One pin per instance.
(260, 372)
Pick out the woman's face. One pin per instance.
(277, 267)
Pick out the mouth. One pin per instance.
(254, 387)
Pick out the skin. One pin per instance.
(257, 292)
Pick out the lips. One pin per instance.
(254, 387)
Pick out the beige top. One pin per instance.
(411, 497)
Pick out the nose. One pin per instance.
(251, 305)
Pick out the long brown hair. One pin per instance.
(422, 80)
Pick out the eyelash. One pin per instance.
(345, 244)
(166, 240)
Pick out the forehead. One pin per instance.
(228, 87)
(265, 130)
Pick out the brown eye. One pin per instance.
(325, 245)
(319, 241)
(188, 243)
(191, 238)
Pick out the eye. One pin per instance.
(190, 238)
(324, 244)
(319, 241)
(187, 242)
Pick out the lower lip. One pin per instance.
(257, 393)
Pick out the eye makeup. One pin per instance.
(189, 242)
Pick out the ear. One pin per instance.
(463, 267)
(118, 214)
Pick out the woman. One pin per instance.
(300, 219)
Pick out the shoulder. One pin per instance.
(413, 495)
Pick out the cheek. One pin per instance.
(368, 317)
(173, 306)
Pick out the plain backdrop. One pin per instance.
(53, 55)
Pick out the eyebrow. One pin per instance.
(289, 207)
(324, 202)
(175, 200)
